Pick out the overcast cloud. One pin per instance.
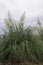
(17, 7)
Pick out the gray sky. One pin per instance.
(17, 7)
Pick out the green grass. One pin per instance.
(19, 44)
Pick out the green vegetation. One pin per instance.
(19, 44)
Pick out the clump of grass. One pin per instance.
(19, 44)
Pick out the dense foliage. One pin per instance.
(20, 43)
